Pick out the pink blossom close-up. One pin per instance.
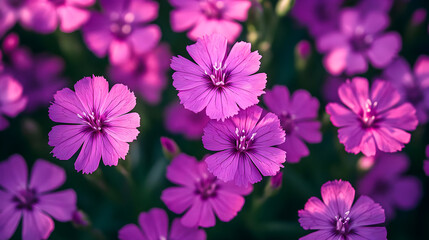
(205, 17)
(12, 100)
(220, 83)
(246, 146)
(200, 194)
(95, 120)
(153, 225)
(372, 119)
(336, 217)
(33, 200)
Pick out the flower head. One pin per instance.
(245, 146)
(153, 225)
(200, 194)
(12, 100)
(337, 218)
(219, 82)
(372, 118)
(98, 121)
(33, 200)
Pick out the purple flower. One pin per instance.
(385, 184)
(145, 74)
(98, 121)
(360, 39)
(34, 201)
(244, 145)
(372, 118)
(12, 100)
(297, 114)
(154, 226)
(336, 218)
(205, 17)
(219, 83)
(200, 194)
(14, 11)
(180, 120)
(122, 30)
(413, 85)
(426, 162)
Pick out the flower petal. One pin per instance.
(36, 225)
(13, 174)
(154, 224)
(60, 205)
(46, 176)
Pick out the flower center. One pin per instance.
(243, 141)
(342, 223)
(360, 41)
(94, 121)
(121, 25)
(206, 187)
(287, 122)
(25, 199)
(218, 75)
(212, 8)
(369, 115)
(381, 187)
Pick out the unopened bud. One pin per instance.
(169, 147)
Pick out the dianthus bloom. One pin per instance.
(154, 226)
(372, 118)
(336, 218)
(297, 114)
(99, 120)
(201, 194)
(205, 17)
(412, 85)
(122, 30)
(360, 39)
(245, 145)
(385, 184)
(34, 201)
(426, 162)
(220, 83)
(12, 100)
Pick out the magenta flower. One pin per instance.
(372, 118)
(297, 114)
(245, 146)
(122, 30)
(145, 74)
(426, 162)
(205, 17)
(200, 194)
(337, 218)
(181, 121)
(385, 184)
(413, 85)
(360, 39)
(12, 100)
(98, 121)
(34, 201)
(154, 226)
(219, 83)
(14, 11)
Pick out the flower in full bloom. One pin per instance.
(154, 226)
(145, 74)
(219, 83)
(426, 162)
(385, 184)
(201, 194)
(413, 85)
(33, 200)
(205, 17)
(359, 39)
(12, 100)
(122, 30)
(297, 114)
(180, 120)
(98, 121)
(338, 218)
(245, 146)
(372, 118)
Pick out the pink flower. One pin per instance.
(297, 114)
(145, 74)
(426, 162)
(360, 39)
(372, 118)
(413, 85)
(181, 121)
(337, 218)
(385, 184)
(154, 226)
(219, 83)
(14, 11)
(205, 17)
(122, 30)
(12, 100)
(98, 121)
(244, 145)
(200, 194)
(34, 201)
